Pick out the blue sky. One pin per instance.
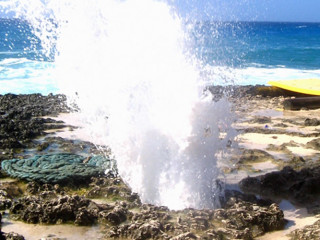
(251, 10)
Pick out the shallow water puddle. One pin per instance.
(268, 113)
(303, 152)
(37, 231)
(79, 132)
(261, 141)
(267, 166)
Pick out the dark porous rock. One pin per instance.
(148, 211)
(281, 125)
(151, 229)
(33, 187)
(299, 186)
(112, 187)
(116, 216)
(310, 232)
(314, 144)
(5, 201)
(85, 217)
(185, 236)
(297, 160)
(232, 196)
(244, 216)
(32, 209)
(261, 120)
(2, 237)
(21, 119)
(48, 208)
(311, 122)
(254, 155)
(35, 104)
(11, 188)
(238, 219)
(278, 148)
(13, 236)
(42, 146)
(148, 230)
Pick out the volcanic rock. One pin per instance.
(311, 122)
(32, 209)
(13, 236)
(310, 232)
(299, 186)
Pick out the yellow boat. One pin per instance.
(305, 86)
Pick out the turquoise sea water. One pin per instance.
(229, 53)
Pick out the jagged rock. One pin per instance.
(185, 236)
(112, 186)
(238, 219)
(33, 187)
(76, 209)
(85, 217)
(314, 144)
(148, 211)
(5, 202)
(63, 209)
(261, 120)
(18, 123)
(310, 232)
(299, 186)
(243, 215)
(13, 236)
(116, 216)
(231, 197)
(254, 155)
(11, 188)
(148, 230)
(311, 122)
(2, 237)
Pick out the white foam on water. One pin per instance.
(22, 76)
(126, 66)
(256, 75)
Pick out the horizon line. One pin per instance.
(216, 20)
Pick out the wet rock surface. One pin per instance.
(238, 219)
(50, 204)
(311, 232)
(298, 186)
(22, 118)
(50, 209)
(108, 202)
(13, 236)
(312, 122)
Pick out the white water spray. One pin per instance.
(125, 65)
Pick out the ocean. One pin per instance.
(241, 53)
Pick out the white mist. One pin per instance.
(126, 66)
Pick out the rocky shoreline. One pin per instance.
(278, 151)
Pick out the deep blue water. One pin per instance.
(262, 44)
(240, 53)
(18, 41)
